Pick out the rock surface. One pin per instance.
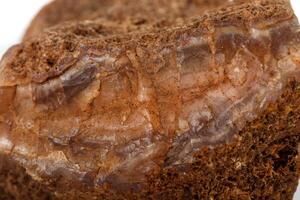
(95, 103)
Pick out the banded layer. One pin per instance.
(99, 108)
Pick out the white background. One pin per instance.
(15, 16)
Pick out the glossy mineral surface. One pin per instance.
(112, 109)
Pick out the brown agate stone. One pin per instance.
(202, 108)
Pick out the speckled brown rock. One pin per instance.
(17, 184)
(203, 108)
(120, 11)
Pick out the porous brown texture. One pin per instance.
(201, 108)
(16, 184)
(138, 11)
